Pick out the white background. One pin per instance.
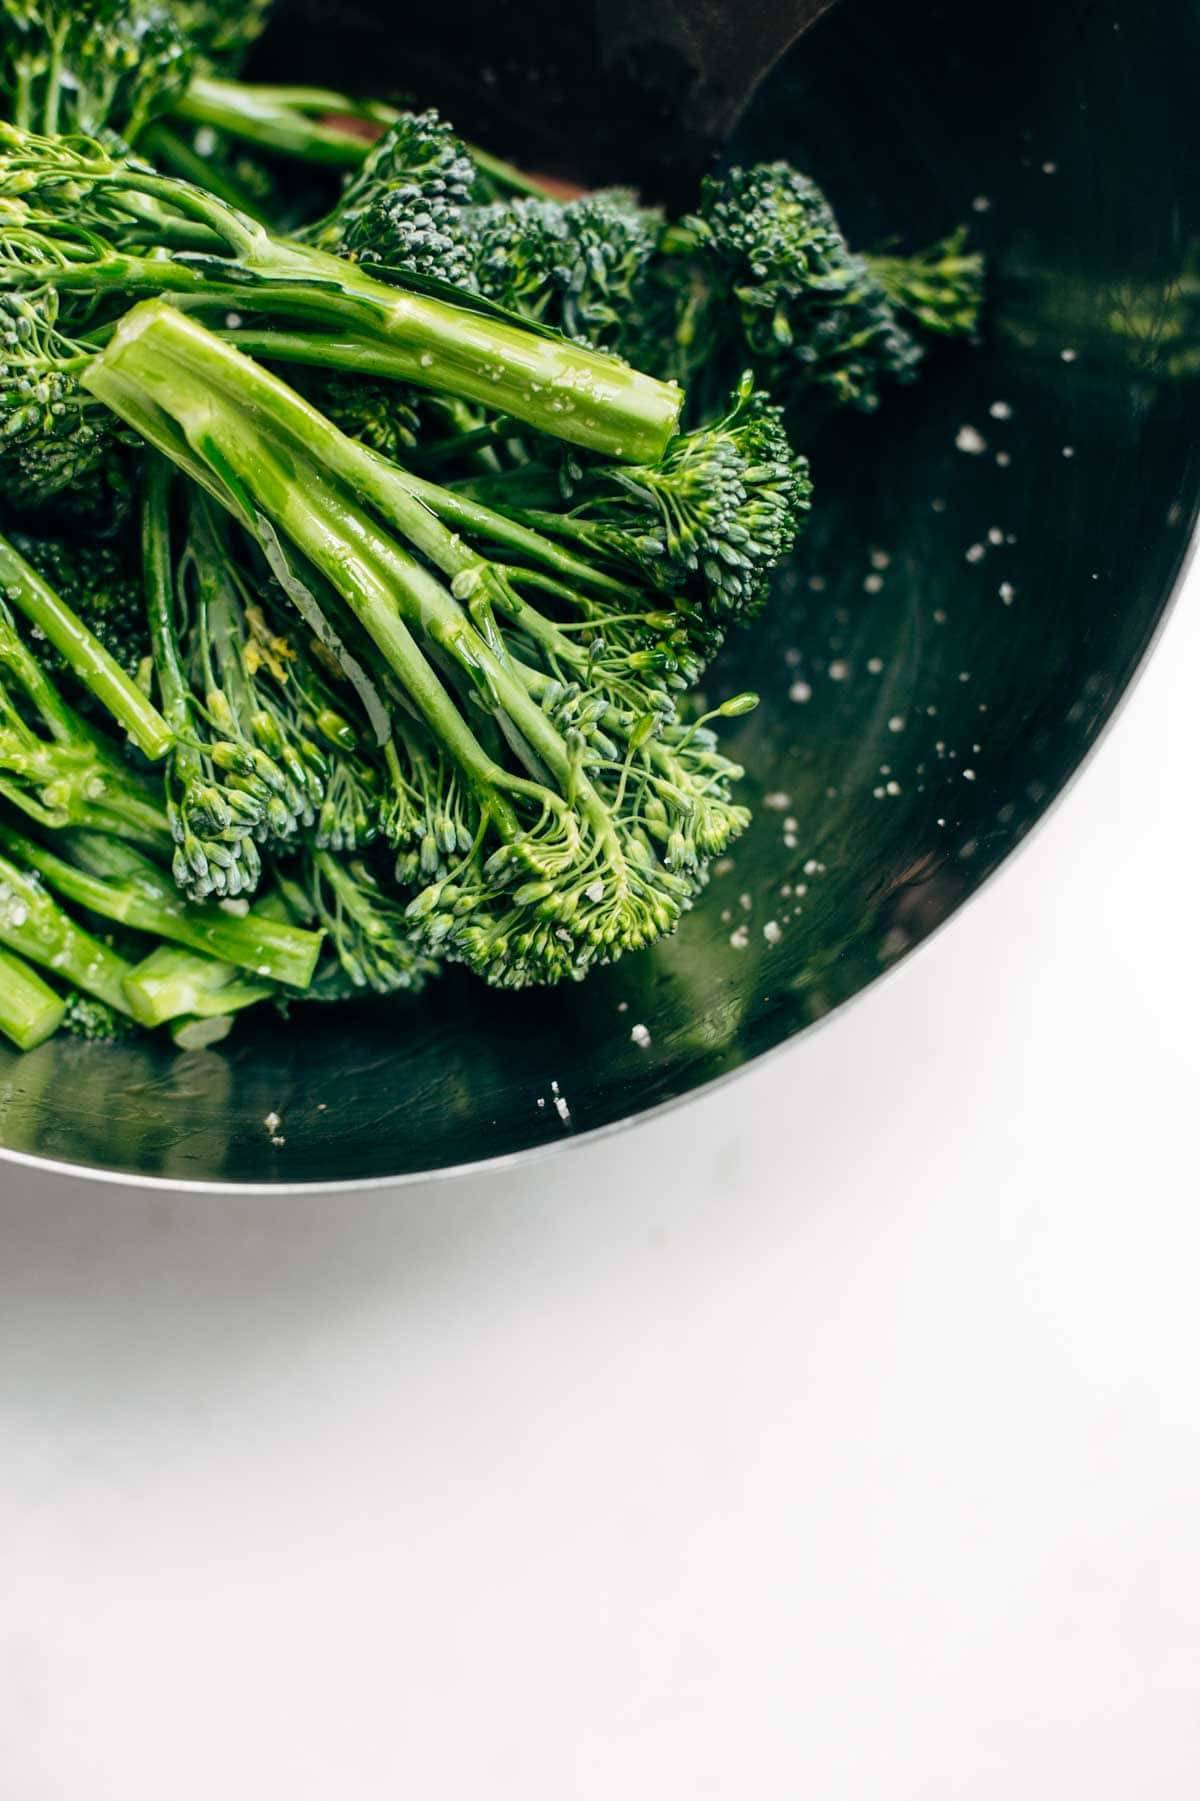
(838, 1438)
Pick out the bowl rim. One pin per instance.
(533, 1156)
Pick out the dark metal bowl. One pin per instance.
(993, 557)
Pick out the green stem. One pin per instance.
(158, 579)
(54, 79)
(61, 721)
(282, 119)
(290, 120)
(218, 619)
(23, 101)
(561, 388)
(173, 152)
(82, 651)
(453, 506)
(114, 881)
(35, 926)
(30, 1012)
(173, 983)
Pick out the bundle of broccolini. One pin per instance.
(361, 561)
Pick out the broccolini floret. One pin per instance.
(90, 65)
(52, 434)
(939, 291)
(708, 524)
(95, 1021)
(377, 945)
(577, 265)
(760, 276)
(403, 207)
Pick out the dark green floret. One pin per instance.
(403, 208)
(94, 1020)
(577, 265)
(765, 277)
(90, 65)
(938, 291)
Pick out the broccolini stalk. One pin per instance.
(86, 223)
(591, 812)
(318, 125)
(81, 650)
(34, 926)
(54, 767)
(109, 878)
(176, 156)
(292, 121)
(30, 1012)
(173, 983)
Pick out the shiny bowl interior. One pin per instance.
(992, 558)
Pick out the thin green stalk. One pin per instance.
(281, 119)
(82, 651)
(173, 153)
(296, 122)
(35, 926)
(110, 879)
(23, 102)
(30, 1012)
(54, 78)
(173, 983)
(452, 506)
(62, 722)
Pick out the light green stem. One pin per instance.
(35, 926)
(99, 672)
(173, 983)
(110, 879)
(30, 1012)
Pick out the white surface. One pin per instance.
(837, 1439)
